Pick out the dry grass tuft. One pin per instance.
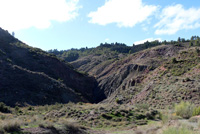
(10, 126)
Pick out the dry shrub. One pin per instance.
(184, 109)
(11, 126)
(73, 128)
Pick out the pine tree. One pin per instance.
(13, 34)
(197, 43)
(192, 38)
(179, 39)
(191, 44)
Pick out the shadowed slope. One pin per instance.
(30, 75)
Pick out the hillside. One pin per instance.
(94, 61)
(32, 76)
(172, 79)
(159, 75)
(130, 84)
(154, 72)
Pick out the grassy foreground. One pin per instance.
(84, 118)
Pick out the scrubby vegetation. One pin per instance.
(83, 118)
(114, 48)
(71, 118)
(10, 126)
(181, 130)
(184, 109)
(148, 88)
(4, 108)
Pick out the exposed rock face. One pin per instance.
(119, 78)
(95, 64)
(116, 75)
(30, 75)
(167, 82)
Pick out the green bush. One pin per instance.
(164, 118)
(117, 100)
(184, 109)
(174, 60)
(4, 108)
(18, 110)
(191, 43)
(30, 108)
(143, 106)
(196, 111)
(106, 116)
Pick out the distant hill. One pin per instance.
(32, 76)
(106, 48)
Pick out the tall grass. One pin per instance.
(181, 130)
(196, 111)
(10, 126)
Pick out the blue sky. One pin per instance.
(65, 24)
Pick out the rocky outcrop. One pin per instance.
(120, 78)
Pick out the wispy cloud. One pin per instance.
(125, 13)
(175, 18)
(145, 40)
(107, 39)
(22, 14)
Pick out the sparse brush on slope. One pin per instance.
(32, 76)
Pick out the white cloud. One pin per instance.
(107, 39)
(145, 40)
(175, 18)
(144, 27)
(22, 14)
(126, 13)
